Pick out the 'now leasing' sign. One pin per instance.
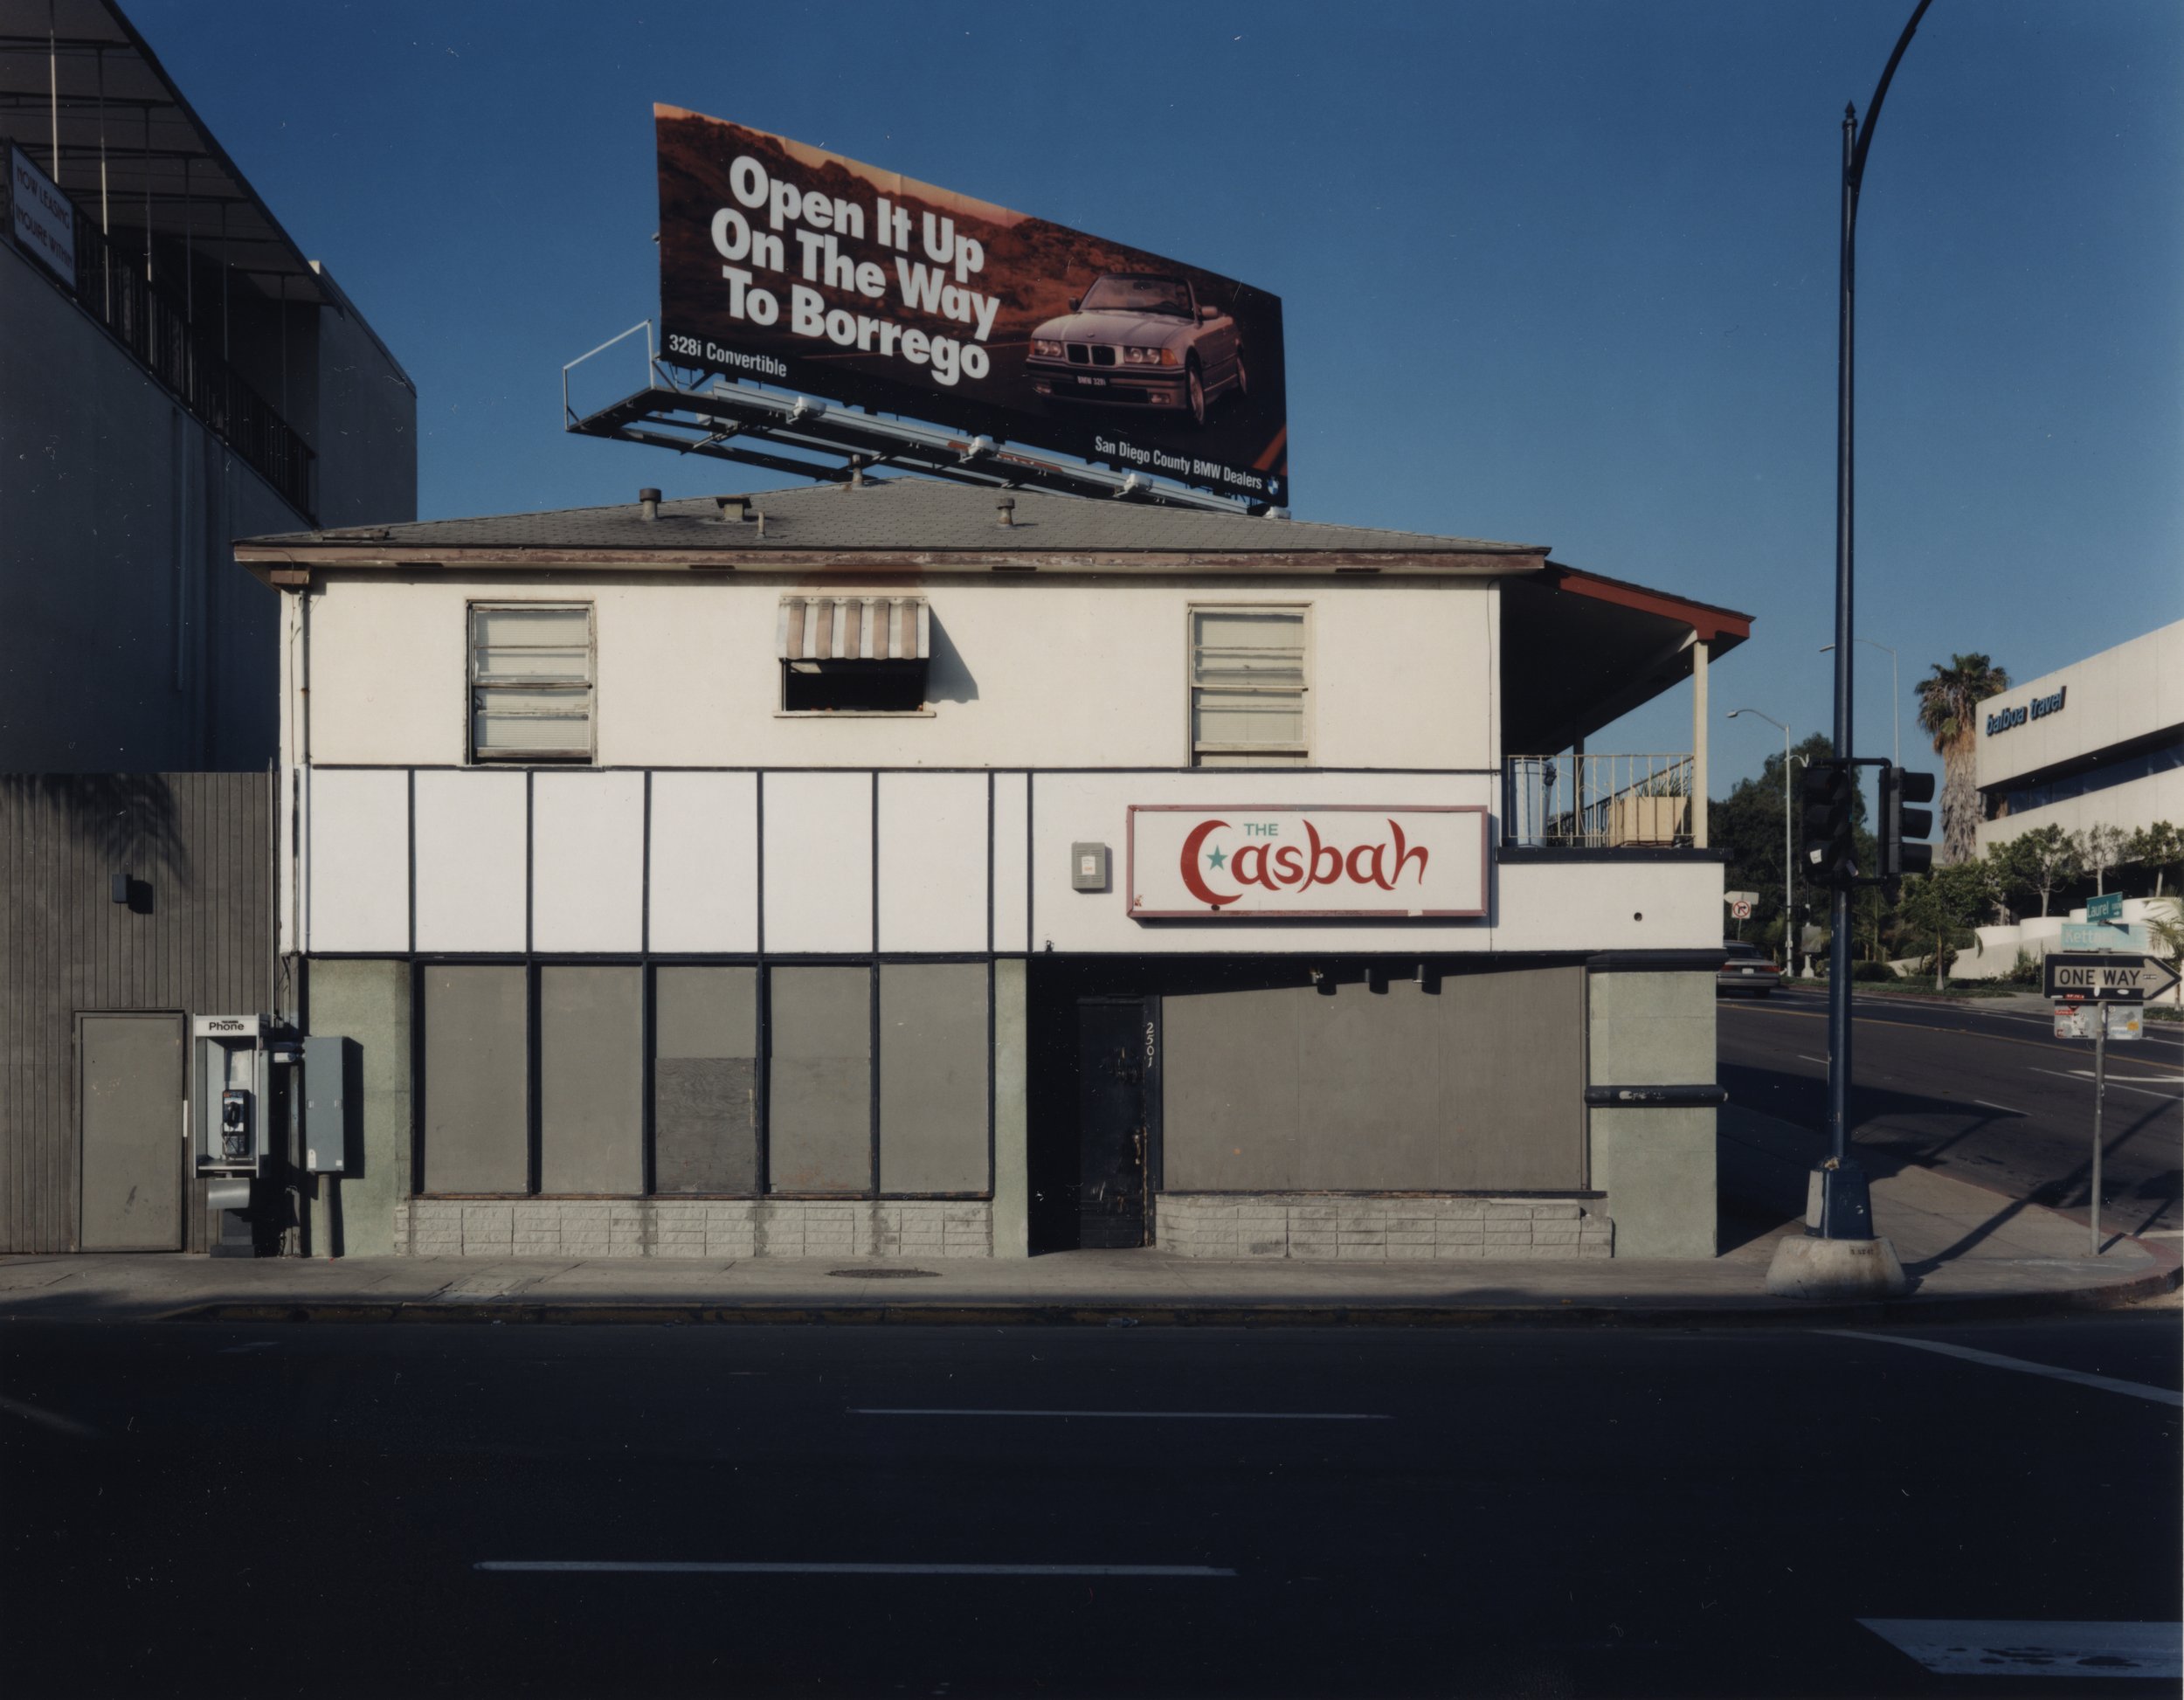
(1352, 861)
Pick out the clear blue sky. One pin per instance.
(1556, 272)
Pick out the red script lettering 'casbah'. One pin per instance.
(1272, 863)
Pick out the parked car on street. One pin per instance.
(1138, 340)
(1746, 971)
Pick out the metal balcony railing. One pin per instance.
(155, 327)
(1596, 802)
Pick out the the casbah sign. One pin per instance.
(1357, 862)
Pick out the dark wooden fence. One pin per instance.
(193, 937)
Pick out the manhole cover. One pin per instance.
(882, 1275)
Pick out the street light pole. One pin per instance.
(1846, 1209)
(1789, 857)
(1895, 698)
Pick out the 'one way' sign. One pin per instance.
(2108, 977)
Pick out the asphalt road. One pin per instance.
(1987, 1095)
(199, 1508)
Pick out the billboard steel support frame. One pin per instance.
(724, 418)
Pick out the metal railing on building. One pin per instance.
(156, 327)
(1592, 802)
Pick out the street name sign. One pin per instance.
(2100, 936)
(2110, 907)
(2109, 978)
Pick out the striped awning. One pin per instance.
(854, 628)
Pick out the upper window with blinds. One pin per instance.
(1250, 669)
(531, 682)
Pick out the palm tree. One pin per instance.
(1948, 702)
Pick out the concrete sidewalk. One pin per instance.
(1969, 1252)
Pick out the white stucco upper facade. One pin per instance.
(1026, 672)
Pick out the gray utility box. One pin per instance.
(1087, 867)
(228, 1081)
(326, 1104)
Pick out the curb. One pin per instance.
(1760, 1313)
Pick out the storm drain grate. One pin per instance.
(882, 1275)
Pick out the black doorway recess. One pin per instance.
(1117, 1114)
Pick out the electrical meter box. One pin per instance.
(229, 1059)
(327, 1066)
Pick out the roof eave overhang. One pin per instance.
(281, 563)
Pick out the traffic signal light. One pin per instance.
(1898, 824)
(1830, 801)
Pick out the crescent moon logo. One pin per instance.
(1192, 878)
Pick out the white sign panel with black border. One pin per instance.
(2109, 978)
(1284, 863)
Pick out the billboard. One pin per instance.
(798, 267)
(1286, 863)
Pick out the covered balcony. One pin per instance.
(1579, 651)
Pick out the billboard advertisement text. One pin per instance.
(799, 268)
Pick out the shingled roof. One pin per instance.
(906, 521)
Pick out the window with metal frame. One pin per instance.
(531, 670)
(1250, 670)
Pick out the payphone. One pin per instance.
(231, 1058)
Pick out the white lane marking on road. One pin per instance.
(669, 1567)
(247, 1345)
(44, 1419)
(1990, 1104)
(1205, 1416)
(1957, 1646)
(2120, 1085)
(1823, 1060)
(1995, 1360)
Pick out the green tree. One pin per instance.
(2157, 848)
(1948, 704)
(2039, 861)
(2099, 848)
(1747, 824)
(1938, 904)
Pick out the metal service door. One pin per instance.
(129, 1103)
(1117, 1112)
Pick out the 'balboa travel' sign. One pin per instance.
(1280, 864)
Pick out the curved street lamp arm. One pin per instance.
(1880, 93)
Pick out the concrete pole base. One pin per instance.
(1807, 1267)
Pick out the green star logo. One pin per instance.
(1215, 858)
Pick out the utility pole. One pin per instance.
(1840, 1256)
(1846, 1206)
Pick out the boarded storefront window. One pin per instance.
(933, 1077)
(1467, 1082)
(705, 1079)
(590, 1079)
(819, 1081)
(477, 1095)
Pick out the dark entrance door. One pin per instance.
(1117, 1119)
(129, 1098)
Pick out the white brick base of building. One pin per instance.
(692, 1227)
(1347, 1227)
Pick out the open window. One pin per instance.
(853, 655)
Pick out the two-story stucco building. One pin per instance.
(902, 868)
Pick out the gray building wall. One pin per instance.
(1472, 1082)
(369, 1002)
(195, 939)
(1656, 1165)
(137, 644)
